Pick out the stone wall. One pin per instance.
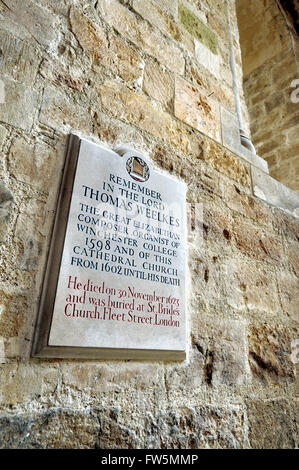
(271, 82)
(154, 74)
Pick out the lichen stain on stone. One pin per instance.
(198, 29)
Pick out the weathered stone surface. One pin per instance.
(56, 73)
(273, 192)
(111, 78)
(142, 35)
(6, 204)
(239, 200)
(28, 235)
(158, 83)
(286, 225)
(169, 6)
(19, 60)
(250, 286)
(288, 287)
(199, 75)
(263, 419)
(61, 111)
(52, 429)
(13, 309)
(197, 28)
(269, 72)
(204, 426)
(25, 382)
(270, 354)
(113, 435)
(196, 109)
(106, 50)
(231, 139)
(225, 162)
(37, 21)
(149, 11)
(292, 251)
(209, 60)
(253, 242)
(223, 345)
(20, 104)
(124, 103)
(32, 162)
(104, 378)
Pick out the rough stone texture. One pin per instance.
(79, 430)
(140, 34)
(139, 73)
(6, 201)
(267, 188)
(194, 428)
(19, 106)
(262, 423)
(270, 354)
(223, 347)
(42, 162)
(197, 28)
(158, 83)
(108, 51)
(270, 71)
(197, 110)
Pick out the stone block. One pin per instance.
(109, 50)
(32, 162)
(239, 200)
(28, 235)
(6, 206)
(158, 83)
(286, 224)
(55, 428)
(200, 76)
(36, 21)
(26, 381)
(13, 307)
(63, 112)
(288, 288)
(275, 193)
(255, 243)
(197, 28)
(113, 435)
(223, 345)
(19, 60)
(272, 424)
(250, 287)
(3, 136)
(126, 104)
(292, 253)
(194, 108)
(270, 354)
(199, 427)
(169, 6)
(20, 105)
(226, 162)
(231, 139)
(149, 10)
(210, 61)
(142, 35)
(205, 274)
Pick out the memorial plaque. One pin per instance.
(114, 286)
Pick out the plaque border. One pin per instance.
(40, 346)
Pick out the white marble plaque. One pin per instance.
(120, 289)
